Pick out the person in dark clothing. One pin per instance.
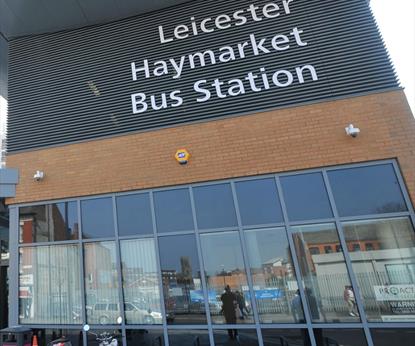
(229, 304)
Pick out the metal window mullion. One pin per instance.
(158, 255)
(247, 266)
(119, 270)
(202, 268)
(13, 317)
(348, 261)
(404, 191)
(298, 273)
(82, 272)
(374, 216)
(63, 242)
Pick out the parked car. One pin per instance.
(107, 313)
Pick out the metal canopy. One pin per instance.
(28, 17)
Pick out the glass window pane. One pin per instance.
(231, 337)
(226, 278)
(173, 210)
(51, 222)
(328, 290)
(343, 337)
(45, 336)
(96, 337)
(144, 337)
(286, 337)
(140, 282)
(49, 285)
(4, 240)
(134, 215)
(214, 206)
(306, 197)
(366, 190)
(273, 276)
(182, 287)
(392, 336)
(258, 202)
(97, 218)
(385, 270)
(101, 283)
(189, 337)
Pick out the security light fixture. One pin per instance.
(352, 131)
(39, 175)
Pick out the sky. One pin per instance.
(396, 20)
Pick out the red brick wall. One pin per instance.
(281, 140)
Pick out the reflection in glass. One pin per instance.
(243, 337)
(224, 268)
(134, 214)
(384, 264)
(390, 336)
(306, 197)
(49, 285)
(4, 239)
(145, 337)
(366, 190)
(189, 337)
(140, 282)
(173, 211)
(214, 206)
(285, 337)
(343, 337)
(50, 222)
(96, 337)
(97, 218)
(328, 290)
(101, 283)
(273, 276)
(183, 296)
(45, 336)
(258, 202)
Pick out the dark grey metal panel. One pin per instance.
(3, 66)
(76, 85)
(27, 17)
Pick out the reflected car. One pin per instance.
(107, 313)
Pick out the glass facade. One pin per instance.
(286, 259)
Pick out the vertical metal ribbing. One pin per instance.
(296, 264)
(75, 90)
(348, 261)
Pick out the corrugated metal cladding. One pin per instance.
(77, 85)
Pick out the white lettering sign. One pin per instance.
(394, 292)
(254, 81)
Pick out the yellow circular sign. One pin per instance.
(182, 156)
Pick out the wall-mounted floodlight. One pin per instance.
(352, 131)
(39, 175)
